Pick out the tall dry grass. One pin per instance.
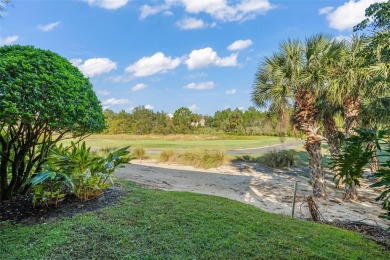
(201, 158)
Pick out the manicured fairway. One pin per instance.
(182, 141)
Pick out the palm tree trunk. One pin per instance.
(332, 135)
(306, 117)
(350, 192)
(313, 148)
(351, 112)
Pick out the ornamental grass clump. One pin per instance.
(204, 158)
(281, 158)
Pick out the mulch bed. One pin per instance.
(21, 209)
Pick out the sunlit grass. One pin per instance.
(152, 224)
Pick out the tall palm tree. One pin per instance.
(296, 73)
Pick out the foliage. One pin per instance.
(138, 153)
(356, 153)
(84, 173)
(153, 224)
(383, 175)
(142, 121)
(50, 187)
(44, 98)
(279, 158)
(167, 155)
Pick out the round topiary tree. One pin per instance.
(43, 99)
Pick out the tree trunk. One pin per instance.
(313, 148)
(350, 192)
(351, 112)
(332, 135)
(374, 162)
(306, 116)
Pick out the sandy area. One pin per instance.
(265, 188)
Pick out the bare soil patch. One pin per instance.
(21, 209)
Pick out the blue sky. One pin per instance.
(167, 54)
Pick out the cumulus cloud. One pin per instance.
(220, 10)
(207, 57)
(191, 23)
(147, 10)
(139, 87)
(231, 91)
(157, 63)
(103, 92)
(108, 4)
(48, 27)
(194, 108)
(240, 45)
(9, 40)
(148, 106)
(346, 16)
(95, 66)
(201, 85)
(325, 10)
(113, 102)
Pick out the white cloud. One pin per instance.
(147, 10)
(108, 4)
(231, 91)
(206, 57)
(346, 16)
(95, 66)
(220, 10)
(343, 38)
(148, 106)
(103, 92)
(158, 63)
(325, 10)
(48, 27)
(9, 40)
(113, 102)
(201, 85)
(194, 108)
(240, 45)
(139, 87)
(191, 23)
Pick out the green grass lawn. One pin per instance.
(151, 224)
(182, 141)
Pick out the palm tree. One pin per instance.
(297, 73)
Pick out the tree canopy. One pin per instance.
(43, 98)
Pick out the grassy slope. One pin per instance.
(156, 224)
(182, 141)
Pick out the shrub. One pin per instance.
(78, 170)
(167, 155)
(138, 153)
(280, 158)
(44, 98)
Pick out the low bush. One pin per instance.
(248, 158)
(138, 153)
(279, 158)
(76, 170)
(167, 156)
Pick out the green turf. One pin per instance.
(151, 224)
(210, 142)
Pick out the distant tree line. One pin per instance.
(143, 121)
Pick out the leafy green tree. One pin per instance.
(43, 100)
(182, 119)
